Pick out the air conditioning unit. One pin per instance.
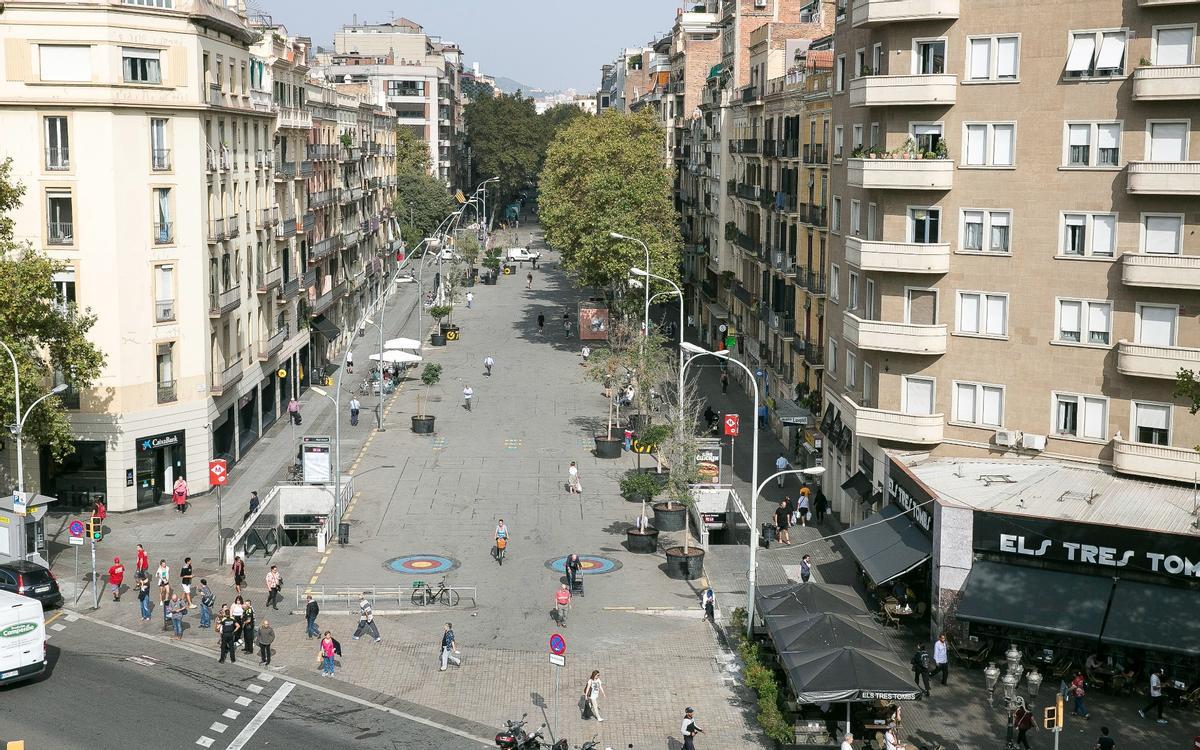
(1008, 438)
(760, 3)
(1033, 442)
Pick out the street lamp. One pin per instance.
(379, 326)
(647, 275)
(337, 446)
(18, 427)
(646, 315)
(483, 186)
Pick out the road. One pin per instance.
(110, 689)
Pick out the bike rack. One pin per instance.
(378, 596)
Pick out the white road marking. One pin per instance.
(231, 714)
(242, 700)
(254, 688)
(265, 677)
(261, 717)
(218, 727)
(71, 618)
(58, 627)
(205, 742)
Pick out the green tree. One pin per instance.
(606, 174)
(412, 153)
(555, 119)
(47, 338)
(505, 137)
(422, 202)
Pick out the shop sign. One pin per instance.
(907, 494)
(1107, 547)
(158, 441)
(813, 439)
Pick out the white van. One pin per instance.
(22, 638)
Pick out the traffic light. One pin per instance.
(1050, 720)
(95, 528)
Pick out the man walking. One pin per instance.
(470, 299)
(1156, 696)
(228, 629)
(941, 658)
(185, 580)
(782, 520)
(274, 583)
(142, 565)
(354, 407)
(488, 364)
(116, 575)
(266, 636)
(311, 610)
(529, 280)
(724, 381)
(449, 648)
(1104, 741)
(541, 321)
(176, 609)
(688, 729)
(468, 392)
(708, 600)
(572, 568)
(206, 604)
(144, 597)
(781, 464)
(366, 619)
(921, 667)
(294, 411)
(349, 361)
(805, 568)
(254, 505)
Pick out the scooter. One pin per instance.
(514, 737)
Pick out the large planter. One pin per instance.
(642, 541)
(452, 332)
(443, 327)
(423, 425)
(437, 339)
(683, 567)
(489, 279)
(669, 519)
(608, 447)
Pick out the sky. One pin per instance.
(548, 44)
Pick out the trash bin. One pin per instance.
(343, 533)
(767, 536)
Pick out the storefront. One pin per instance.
(79, 480)
(267, 403)
(247, 421)
(224, 432)
(160, 460)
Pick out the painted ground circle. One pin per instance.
(421, 564)
(588, 565)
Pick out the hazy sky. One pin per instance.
(550, 44)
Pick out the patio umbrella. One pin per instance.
(396, 357)
(806, 599)
(401, 343)
(825, 631)
(847, 674)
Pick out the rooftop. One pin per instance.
(1057, 490)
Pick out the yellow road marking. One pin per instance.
(312, 581)
(317, 572)
(55, 616)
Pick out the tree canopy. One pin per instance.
(606, 174)
(422, 202)
(412, 153)
(47, 335)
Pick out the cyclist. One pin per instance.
(562, 600)
(501, 540)
(488, 364)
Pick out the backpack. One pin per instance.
(926, 662)
(208, 600)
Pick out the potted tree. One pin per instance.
(437, 312)
(639, 486)
(468, 250)
(607, 366)
(422, 423)
(491, 261)
(452, 286)
(650, 366)
(684, 562)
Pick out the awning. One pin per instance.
(717, 311)
(326, 327)
(860, 484)
(887, 545)
(789, 412)
(1143, 615)
(715, 70)
(847, 674)
(1050, 601)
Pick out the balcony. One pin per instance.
(814, 281)
(1148, 361)
(295, 118)
(290, 289)
(901, 174)
(878, 12)
(260, 101)
(233, 226)
(1164, 177)
(322, 248)
(167, 392)
(898, 257)
(160, 159)
(903, 91)
(226, 379)
(268, 280)
(1158, 3)
(216, 230)
(814, 354)
(164, 233)
(1164, 83)
(815, 154)
(306, 168)
(895, 426)
(1162, 271)
(220, 303)
(886, 336)
(286, 228)
(268, 217)
(322, 198)
(269, 347)
(1159, 461)
(309, 279)
(285, 170)
(58, 159)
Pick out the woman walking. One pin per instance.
(237, 611)
(239, 574)
(592, 693)
(573, 485)
(327, 654)
(144, 596)
(180, 493)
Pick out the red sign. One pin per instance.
(731, 425)
(558, 645)
(218, 472)
(399, 256)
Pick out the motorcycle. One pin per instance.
(514, 737)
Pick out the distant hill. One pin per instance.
(509, 86)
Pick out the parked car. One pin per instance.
(32, 580)
(519, 254)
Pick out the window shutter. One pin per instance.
(976, 144)
(1006, 57)
(980, 56)
(1173, 46)
(964, 402)
(1098, 317)
(1002, 144)
(1167, 140)
(1152, 416)
(997, 313)
(993, 400)
(65, 63)
(1082, 47)
(1104, 234)
(1162, 234)
(1069, 315)
(1156, 325)
(968, 313)
(1112, 52)
(1079, 134)
(1094, 421)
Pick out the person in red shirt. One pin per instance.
(562, 601)
(116, 575)
(142, 566)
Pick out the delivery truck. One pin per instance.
(22, 638)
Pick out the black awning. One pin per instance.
(888, 544)
(860, 483)
(326, 327)
(827, 419)
(1143, 615)
(1035, 599)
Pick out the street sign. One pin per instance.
(19, 506)
(557, 660)
(558, 646)
(218, 472)
(758, 373)
(75, 540)
(732, 423)
(76, 528)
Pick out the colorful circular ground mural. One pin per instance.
(421, 564)
(588, 565)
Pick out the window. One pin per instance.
(141, 65)
(982, 314)
(867, 374)
(875, 135)
(877, 58)
(925, 225)
(930, 57)
(1084, 321)
(59, 226)
(58, 153)
(165, 370)
(151, 3)
(1162, 235)
(1080, 416)
(856, 136)
(835, 283)
(1156, 324)
(985, 231)
(990, 144)
(163, 233)
(64, 289)
(835, 218)
(852, 291)
(927, 136)
(1080, 138)
(838, 132)
(160, 155)
(975, 403)
(1168, 141)
(1089, 235)
(869, 301)
(851, 370)
(855, 218)
(839, 74)
(1151, 423)
(832, 360)
(917, 395)
(992, 58)
(872, 221)
(65, 62)
(1096, 53)
(860, 63)
(1173, 45)
(406, 88)
(164, 293)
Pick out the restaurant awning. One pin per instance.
(1049, 601)
(800, 600)
(717, 311)
(825, 631)
(1146, 616)
(789, 412)
(847, 674)
(326, 327)
(888, 544)
(860, 484)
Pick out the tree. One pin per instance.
(555, 119)
(606, 174)
(506, 140)
(412, 153)
(609, 364)
(48, 337)
(679, 451)
(650, 365)
(422, 202)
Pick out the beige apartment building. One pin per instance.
(1013, 255)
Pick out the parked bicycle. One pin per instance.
(295, 472)
(423, 594)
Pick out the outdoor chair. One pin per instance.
(1062, 668)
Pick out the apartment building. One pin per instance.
(1013, 254)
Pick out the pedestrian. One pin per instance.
(628, 444)
(805, 568)
(573, 485)
(176, 609)
(890, 740)
(206, 604)
(1076, 691)
(941, 657)
(274, 583)
(248, 626)
(592, 692)
(584, 353)
(762, 416)
(354, 407)
(802, 507)
(820, 504)
(237, 612)
(294, 411)
(468, 392)
(708, 600)
(228, 627)
(142, 565)
(180, 493)
(781, 464)
(185, 580)
(254, 505)
(488, 364)
(1104, 741)
(572, 568)
(266, 636)
(470, 299)
(529, 280)
(724, 381)
(847, 742)
(239, 574)
(449, 648)
(782, 520)
(541, 321)
(366, 619)
(562, 602)
(1156, 696)
(116, 575)
(349, 361)
(688, 729)
(1023, 721)
(501, 541)
(921, 667)
(311, 610)
(567, 323)
(163, 576)
(327, 652)
(144, 596)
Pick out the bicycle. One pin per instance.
(501, 545)
(295, 473)
(424, 594)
